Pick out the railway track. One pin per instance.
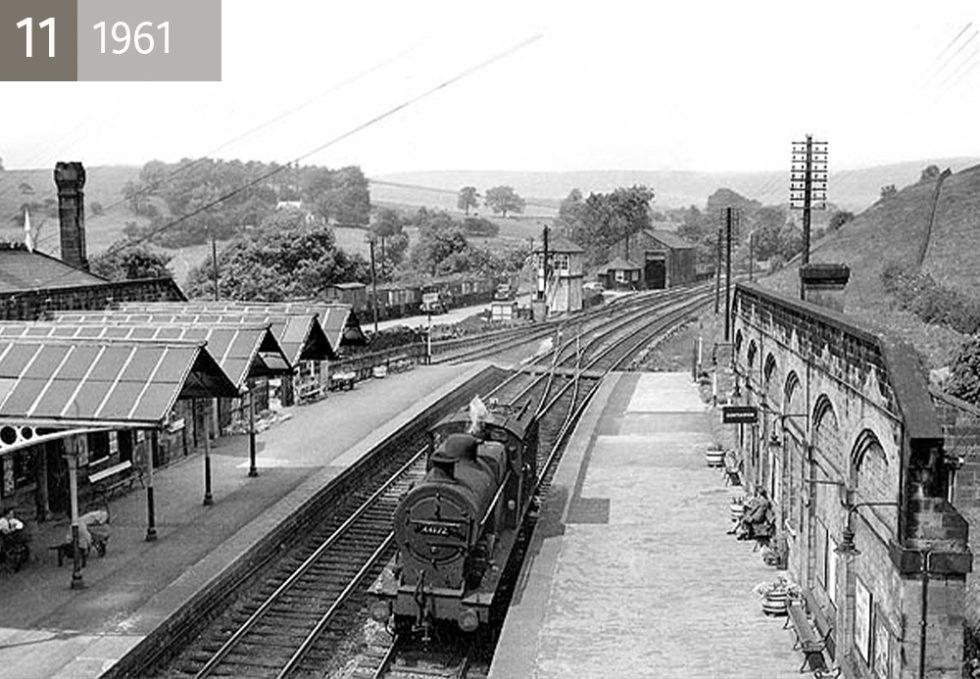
(565, 396)
(291, 618)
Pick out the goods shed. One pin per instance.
(666, 259)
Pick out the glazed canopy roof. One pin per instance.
(301, 337)
(109, 382)
(333, 317)
(242, 351)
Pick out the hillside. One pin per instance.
(894, 230)
(103, 185)
(853, 189)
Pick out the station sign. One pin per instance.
(739, 414)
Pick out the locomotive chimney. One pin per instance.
(443, 465)
(70, 178)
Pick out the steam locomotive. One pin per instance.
(455, 529)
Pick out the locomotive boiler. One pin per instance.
(455, 529)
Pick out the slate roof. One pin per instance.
(85, 382)
(619, 264)
(559, 244)
(21, 270)
(242, 351)
(669, 238)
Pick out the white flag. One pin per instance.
(28, 236)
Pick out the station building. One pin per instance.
(73, 342)
(848, 444)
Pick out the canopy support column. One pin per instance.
(151, 520)
(76, 571)
(208, 499)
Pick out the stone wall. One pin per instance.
(960, 423)
(32, 305)
(852, 451)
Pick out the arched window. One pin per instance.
(790, 391)
(872, 476)
(753, 350)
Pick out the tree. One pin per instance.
(964, 382)
(888, 191)
(283, 258)
(129, 260)
(768, 232)
(440, 238)
(347, 200)
(839, 219)
(930, 173)
(467, 198)
(604, 219)
(503, 199)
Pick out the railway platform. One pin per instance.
(630, 572)
(48, 629)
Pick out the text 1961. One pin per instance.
(141, 38)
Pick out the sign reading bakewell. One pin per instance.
(739, 414)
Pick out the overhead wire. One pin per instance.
(186, 167)
(335, 140)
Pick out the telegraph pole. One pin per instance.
(374, 286)
(214, 265)
(718, 272)
(808, 186)
(729, 218)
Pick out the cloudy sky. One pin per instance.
(701, 85)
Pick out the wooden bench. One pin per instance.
(343, 380)
(111, 479)
(309, 392)
(813, 635)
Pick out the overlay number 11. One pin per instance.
(28, 25)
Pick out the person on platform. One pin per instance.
(757, 520)
(11, 529)
(756, 517)
(9, 523)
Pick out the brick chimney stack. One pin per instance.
(824, 284)
(70, 178)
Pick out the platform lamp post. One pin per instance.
(151, 517)
(374, 282)
(253, 470)
(208, 498)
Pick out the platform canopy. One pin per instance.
(85, 382)
(301, 337)
(339, 322)
(242, 351)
